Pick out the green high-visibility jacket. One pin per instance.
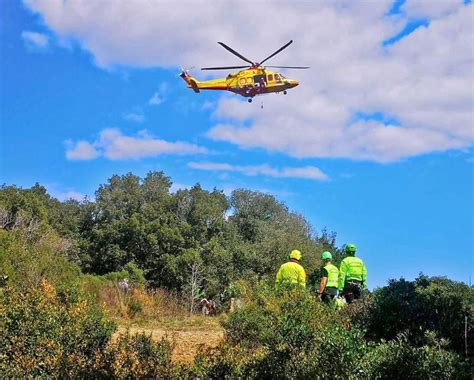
(333, 276)
(352, 268)
(291, 273)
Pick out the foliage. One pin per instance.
(138, 221)
(34, 207)
(266, 231)
(426, 304)
(183, 245)
(286, 334)
(138, 357)
(49, 333)
(138, 303)
(131, 272)
(290, 335)
(26, 261)
(58, 334)
(399, 359)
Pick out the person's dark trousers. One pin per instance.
(352, 290)
(328, 295)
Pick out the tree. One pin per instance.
(266, 232)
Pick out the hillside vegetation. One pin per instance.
(61, 304)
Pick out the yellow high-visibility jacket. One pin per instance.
(291, 273)
(332, 275)
(352, 268)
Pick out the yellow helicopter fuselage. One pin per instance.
(248, 83)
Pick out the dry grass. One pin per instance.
(140, 303)
(190, 335)
(160, 313)
(186, 322)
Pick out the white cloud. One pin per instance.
(207, 105)
(82, 150)
(135, 117)
(114, 145)
(431, 9)
(155, 100)
(179, 186)
(64, 194)
(159, 96)
(424, 80)
(35, 41)
(70, 195)
(308, 172)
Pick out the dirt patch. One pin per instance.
(188, 341)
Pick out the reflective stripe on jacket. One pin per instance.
(291, 273)
(352, 268)
(333, 275)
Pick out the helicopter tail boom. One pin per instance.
(193, 83)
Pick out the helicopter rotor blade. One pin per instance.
(235, 53)
(223, 68)
(289, 67)
(279, 50)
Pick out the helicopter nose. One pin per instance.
(294, 83)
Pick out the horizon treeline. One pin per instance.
(174, 237)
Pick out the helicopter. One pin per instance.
(254, 80)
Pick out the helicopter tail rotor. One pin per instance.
(192, 82)
(185, 70)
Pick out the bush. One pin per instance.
(130, 271)
(398, 359)
(27, 261)
(426, 304)
(49, 333)
(286, 335)
(138, 357)
(290, 335)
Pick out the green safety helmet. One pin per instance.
(351, 248)
(326, 255)
(295, 254)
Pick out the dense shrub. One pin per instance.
(26, 261)
(287, 334)
(131, 272)
(426, 304)
(47, 333)
(138, 357)
(290, 335)
(399, 359)
(58, 334)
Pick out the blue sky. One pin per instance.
(375, 144)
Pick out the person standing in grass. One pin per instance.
(291, 273)
(329, 281)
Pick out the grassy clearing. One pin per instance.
(189, 335)
(188, 323)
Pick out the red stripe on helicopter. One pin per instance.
(214, 88)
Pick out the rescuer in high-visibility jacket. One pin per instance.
(329, 281)
(352, 275)
(291, 273)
